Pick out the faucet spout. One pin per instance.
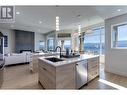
(60, 50)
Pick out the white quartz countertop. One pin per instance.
(43, 54)
(67, 60)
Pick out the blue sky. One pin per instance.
(122, 33)
(94, 38)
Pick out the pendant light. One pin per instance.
(79, 25)
(57, 23)
(79, 29)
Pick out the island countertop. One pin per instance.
(44, 54)
(67, 60)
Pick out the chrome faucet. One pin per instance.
(60, 50)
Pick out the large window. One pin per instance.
(67, 44)
(64, 44)
(42, 45)
(94, 41)
(119, 36)
(50, 44)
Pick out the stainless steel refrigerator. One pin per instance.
(2, 61)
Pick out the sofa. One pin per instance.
(18, 58)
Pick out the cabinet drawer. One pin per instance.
(46, 78)
(96, 68)
(48, 67)
(92, 73)
(92, 65)
(91, 60)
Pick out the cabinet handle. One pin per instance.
(95, 66)
(44, 69)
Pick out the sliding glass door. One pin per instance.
(94, 41)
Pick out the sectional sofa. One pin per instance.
(18, 58)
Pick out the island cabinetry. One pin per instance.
(47, 75)
(65, 76)
(59, 77)
(93, 68)
(35, 60)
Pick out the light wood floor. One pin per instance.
(19, 77)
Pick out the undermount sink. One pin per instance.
(54, 59)
(70, 56)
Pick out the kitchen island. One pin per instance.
(62, 73)
(35, 57)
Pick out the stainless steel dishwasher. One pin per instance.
(81, 73)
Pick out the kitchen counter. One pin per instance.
(67, 60)
(62, 74)
(44, 54)
(35, 56)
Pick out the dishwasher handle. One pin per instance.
(82, 62)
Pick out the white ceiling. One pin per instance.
(29, 17)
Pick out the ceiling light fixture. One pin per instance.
(40, 22)
(17, 13)
(79, 26)
(79, 29)
(78, 16)
(118, 10)
(57, 23)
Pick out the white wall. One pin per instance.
(116, 59)
(38, 37)
(11, 40)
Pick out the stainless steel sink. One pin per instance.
(54, 59)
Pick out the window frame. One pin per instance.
(100, 34)
(112, 30)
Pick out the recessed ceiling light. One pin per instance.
(118, 10)
(78, 16)
(40, 22)
(17, 13)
